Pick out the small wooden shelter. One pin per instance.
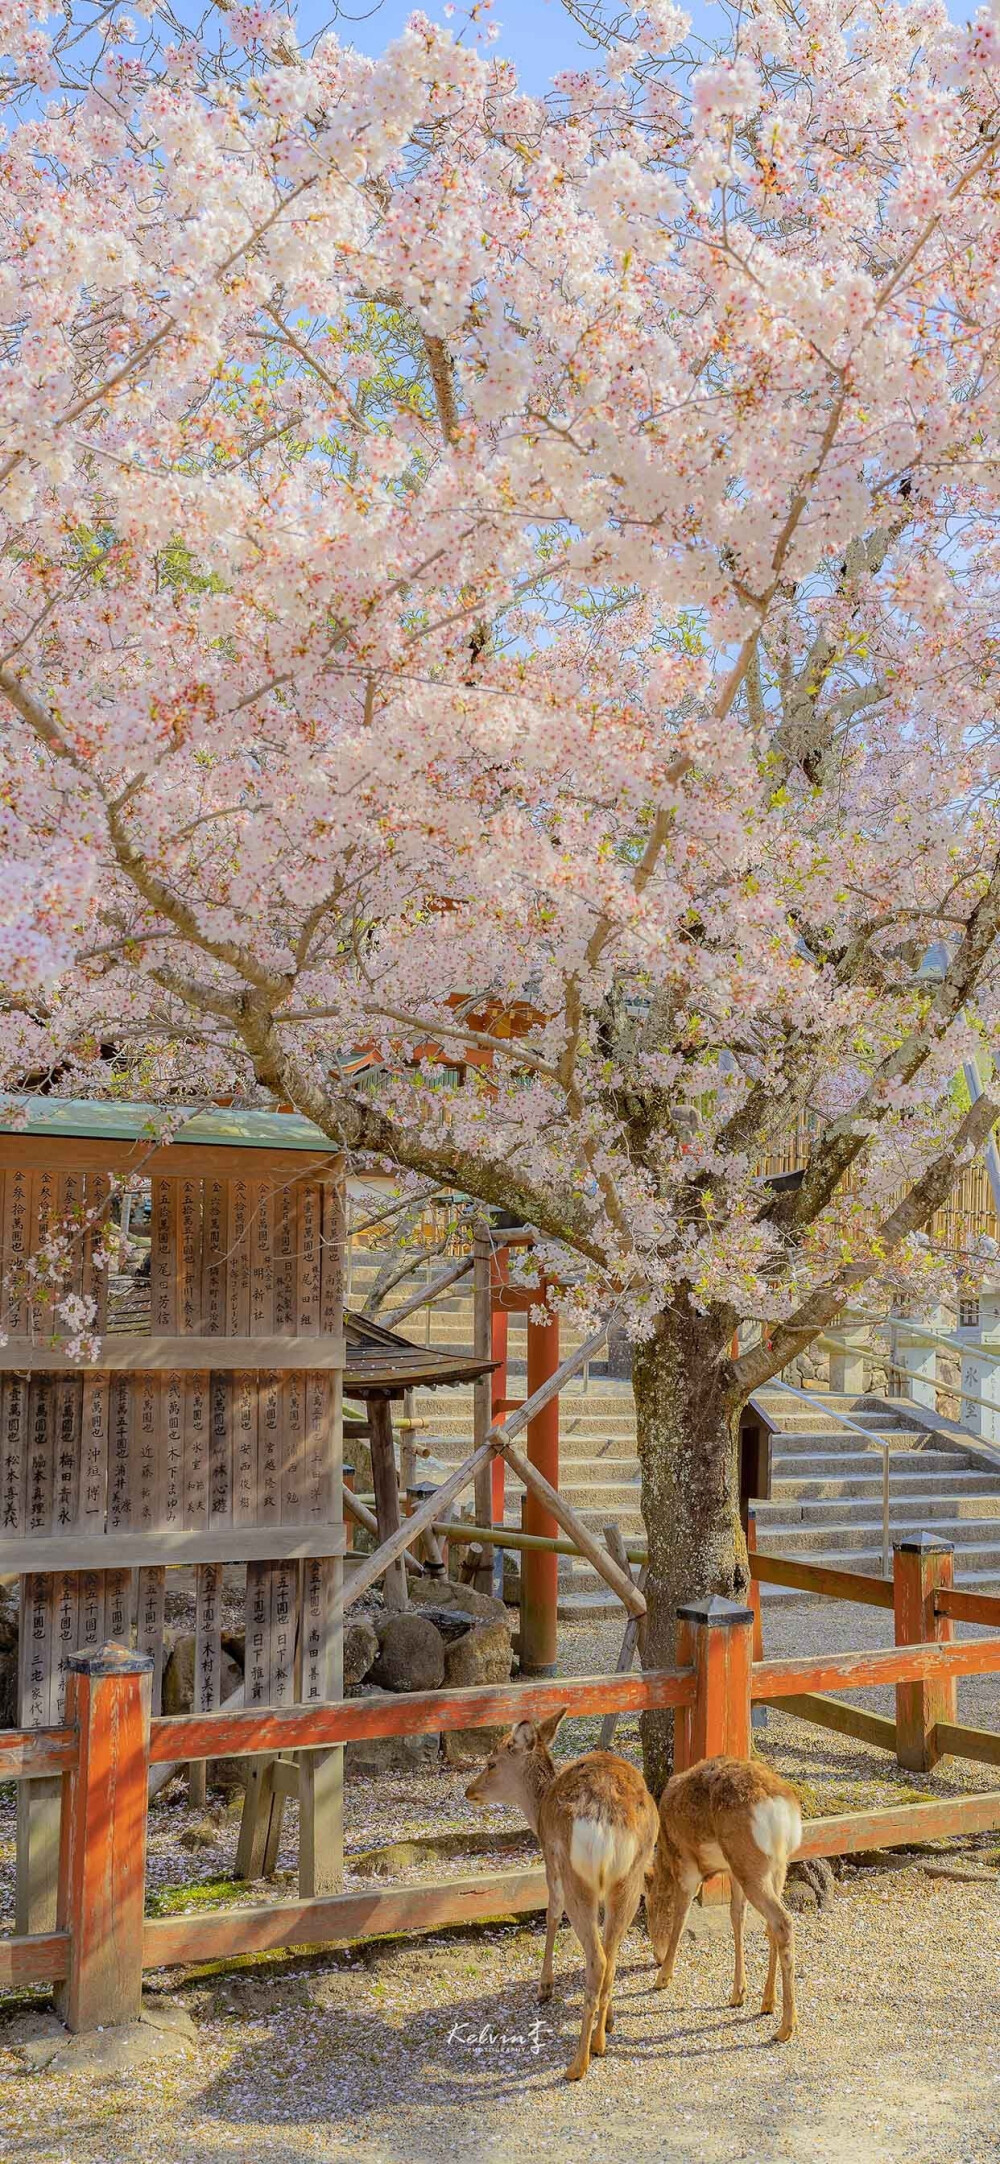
(210, 1436)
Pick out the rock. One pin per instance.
(178, 1675)
(389, 1754)
(360, 1650)
(809, 1884)
(411, 1655)
(226, 1774)
(511, 1580)
(163, 2031)
(469, 1746)
(203, 1834)
(483, 1655)
(445, 1593)
(451, 1623)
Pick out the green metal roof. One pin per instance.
(102, 1119)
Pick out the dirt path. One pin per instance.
(417, 2054)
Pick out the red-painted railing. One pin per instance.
(105, 1749)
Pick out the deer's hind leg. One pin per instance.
(685, 1888)
(552, 1923)
(581, 1908)
(781, 1933)
(620, 1911)
(737, 1912)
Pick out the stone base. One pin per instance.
(163, 2031)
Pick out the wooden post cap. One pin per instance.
(721, 1614)
(348, 1470)
(924, 1544)
(111, 1660)
(421, 1490)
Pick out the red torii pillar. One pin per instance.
(539, 1571)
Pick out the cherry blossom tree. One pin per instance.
(466, 553)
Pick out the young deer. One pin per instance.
(728, 1814)
(597, 1825)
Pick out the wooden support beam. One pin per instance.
(372, 1566)
(363, 1516)
(102, 1857)
(169, 1940)
(482, 1395)
(815, 1578)
(955, 1740)
(148, 1355)
(35, 1959)
(430, 1292)
(886, 1664)
(962, 1607)
(226, 1734)
(619, 1554)
(874, 1728)
(35, 1753)
(573, 1524)
(386, 1486)
(921, 1567)
(136, 1550)
(900, 1825)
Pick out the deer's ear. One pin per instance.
(525, 1735)
(547, 1729)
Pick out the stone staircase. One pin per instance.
(826, 1500)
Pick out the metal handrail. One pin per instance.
(855, 1428)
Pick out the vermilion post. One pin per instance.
(715, 1638)
(498, 1352)
(921, 1567)
(539, 1571)
(102, 1853)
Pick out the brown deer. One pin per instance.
(597, 1825)
(728, 1814)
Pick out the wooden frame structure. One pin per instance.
(211, 1438)
(103, 1751)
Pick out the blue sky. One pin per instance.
(537, 35)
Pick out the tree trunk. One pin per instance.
(688, 1430)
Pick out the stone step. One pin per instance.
(913, 1482)
(827, 1438)
(775, 1516)
(835, 1540)
(816, 1465)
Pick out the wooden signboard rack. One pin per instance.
(210, 1438)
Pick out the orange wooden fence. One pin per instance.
(108, 1742)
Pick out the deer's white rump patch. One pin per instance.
(777, 1826)
(600, 1853)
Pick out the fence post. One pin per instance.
(539, 1571)
(716, 1640)
(919, 1568)
(102, 1851)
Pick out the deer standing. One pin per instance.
(728, 1814)
(597, 1825)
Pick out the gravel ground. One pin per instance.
(428, 2050)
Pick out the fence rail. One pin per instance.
(108, 1742)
